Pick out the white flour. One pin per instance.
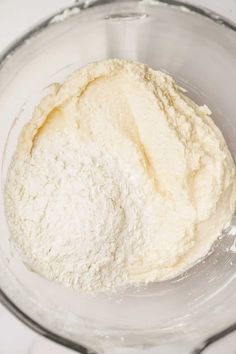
(118, 179)
(81, 211)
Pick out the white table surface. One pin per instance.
(16, 16)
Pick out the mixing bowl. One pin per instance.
(199, 49)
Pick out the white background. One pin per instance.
(16, 16)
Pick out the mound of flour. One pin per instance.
(77, 213)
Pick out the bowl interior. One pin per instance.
(201, 55)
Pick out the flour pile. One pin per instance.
(118, 179)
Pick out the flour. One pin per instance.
(77, 214)
(118, 179)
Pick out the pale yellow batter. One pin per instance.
(167, 147)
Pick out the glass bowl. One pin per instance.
(198, 49)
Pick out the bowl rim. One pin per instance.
(4, 56)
